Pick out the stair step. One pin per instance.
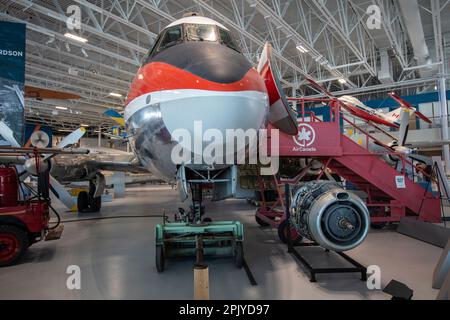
(372, 175)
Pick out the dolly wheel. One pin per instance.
(83, 201)
(13, 244)
(283, 234)
(159, 258)
(260, 221)
(239, 255)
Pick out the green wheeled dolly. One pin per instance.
(184, 239)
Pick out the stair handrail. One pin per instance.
(402, 156)
(336, 109)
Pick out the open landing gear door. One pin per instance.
(280, 113)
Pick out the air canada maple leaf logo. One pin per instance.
(306, 135)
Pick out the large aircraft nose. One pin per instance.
(200, 88)
(203, 113)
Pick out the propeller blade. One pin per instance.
(62, 194)
(7, 134)
(406, 104)
(71, 138)
(68, 141)
(400, 101)
(423, 117)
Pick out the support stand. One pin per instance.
(356, 266)
(201, 272)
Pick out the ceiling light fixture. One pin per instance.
(343, 81)
(302, 49)
(50, 40)
(72, 71)
(60, 108)
(75, 37)
(117, 95)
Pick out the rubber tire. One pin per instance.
(83, 201)
(260, 222)
(23, 243)
(159, 258)
(96, 204)
(282, 234)
(239, 255)
(207, 220)
(378, 225)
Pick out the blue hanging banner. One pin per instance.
(12, 78)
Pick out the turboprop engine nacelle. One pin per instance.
(334, 218)
(30, 165)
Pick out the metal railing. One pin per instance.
(407, 168)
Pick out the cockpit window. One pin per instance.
(152, 51)
(227, 39)
(190, 32)
(172, 36)
(200, 32)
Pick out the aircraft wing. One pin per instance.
(116, 166)
(114, 136)
(43, 94)
(427, 144)
(423, 159)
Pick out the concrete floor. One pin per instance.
(116, 258)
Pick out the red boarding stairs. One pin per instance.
(386, 199)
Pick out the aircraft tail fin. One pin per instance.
(396, 115)
(117, 117)
(405, 115)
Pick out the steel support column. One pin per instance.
(99, 136)
(294, 95)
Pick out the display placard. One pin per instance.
(400, 182)
(12, 78)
